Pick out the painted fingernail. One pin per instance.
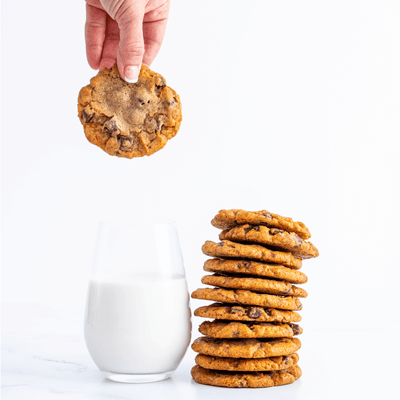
(131, 73)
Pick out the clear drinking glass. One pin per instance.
(137, 322)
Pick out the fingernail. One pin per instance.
(131, 73)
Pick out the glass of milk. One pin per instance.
(137, 321)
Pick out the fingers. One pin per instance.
(153, 33)
(131, 46)
(110, 47)
(154, 26)
(95, 30)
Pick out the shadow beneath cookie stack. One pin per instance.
(252, 340)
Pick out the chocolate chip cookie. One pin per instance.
(239, 312)
(249, 298)
(254, 284)
(227, 219)
(129, 119)
(248, 330)
(230, 249)
(245, 380)
(247, 364)
(256, 269)
(246, 348)
(276, 238)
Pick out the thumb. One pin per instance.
(131, 46)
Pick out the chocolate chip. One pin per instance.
(160, 84)
(267, 214)
(87, 115)
(159, 125)
(274, 231)
(237, 310)
(254, 312)
(141, 101)
(110, 126)
(299, 240)
(295, 329)
(220, 244)
(268, 312)
(126, 142)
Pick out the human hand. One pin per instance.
(126, 32)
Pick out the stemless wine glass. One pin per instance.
(137, 322)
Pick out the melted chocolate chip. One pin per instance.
(274, 231)
(160, 84)
(267, 214)
(110, 127)
(298, 239)
(87, 115)
(126, 142)
(254, 313)
(295, 329)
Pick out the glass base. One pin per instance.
(137, 378)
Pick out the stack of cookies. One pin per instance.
(252, 341)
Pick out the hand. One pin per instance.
(126, 32)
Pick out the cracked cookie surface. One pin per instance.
(239, 312)
(256, 269)
(245, 380)
(254, 284)
(129, 119)
(248, 330)
(274, 237)
(226, 219)
(246, 348)
(247, 364)
(228, 249)
(249, 298)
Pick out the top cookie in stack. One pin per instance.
(251, 342)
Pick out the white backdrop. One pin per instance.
(289, 106)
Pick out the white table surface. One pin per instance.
(44, 357)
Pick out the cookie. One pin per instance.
(247, 364)
(255, 268)
(129, 119)
(246, 348)
(246, 313)
(248, 330)
(276, 238)
(247, 380)
(249, 298)
(227, 219)
(254, 284)
(230, 249)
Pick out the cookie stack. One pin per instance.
(252, 340)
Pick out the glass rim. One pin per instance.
(137, 221)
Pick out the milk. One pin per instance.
(137, 323)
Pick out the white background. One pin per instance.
(289, 106)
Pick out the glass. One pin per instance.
(137, 322)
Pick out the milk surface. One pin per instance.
(137, 323)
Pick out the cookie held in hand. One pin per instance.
(129, 119)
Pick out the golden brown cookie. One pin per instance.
(247, 364)
(129, 119)
(255, 268)
(230, 249)
(248, 330)
(238, 312)
(249, 298)
(255, 284)
(246, 380)
(227, 219)
(277, 238)
(246, 348)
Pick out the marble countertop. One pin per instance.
(44, 357)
